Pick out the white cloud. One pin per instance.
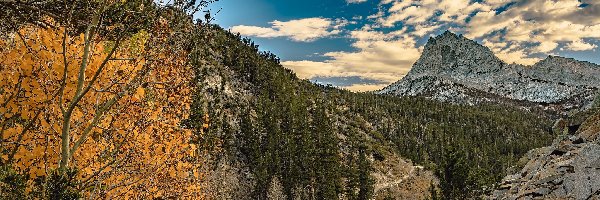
(306, 69)
(545, 23)
(517, 34)
(516, 56)
(420, 12)
(422, 30)
(529, 27)
(302, 30)
(385, 57)
(355, 1)
(547, 46)
(365, 87)
(580, 45)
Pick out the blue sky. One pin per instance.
(365, 45)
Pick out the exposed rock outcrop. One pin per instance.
(227, 172)
(569, 169)
(455, 69)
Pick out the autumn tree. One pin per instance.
(100, 105)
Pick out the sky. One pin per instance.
(365, 45)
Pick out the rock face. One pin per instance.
(227, 172)
(453, 68)
(569, 169)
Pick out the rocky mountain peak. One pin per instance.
(456, 42)
(457, 69)
(553, 60)
(449, 52)
(561, 63)
(446, 36)
(556, 58)
(567, 71)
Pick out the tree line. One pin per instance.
(291, 129)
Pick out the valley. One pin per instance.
(142, 99)
(265, 112)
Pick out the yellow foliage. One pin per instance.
(132, 151)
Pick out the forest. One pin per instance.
(131, 99)
(288, 123)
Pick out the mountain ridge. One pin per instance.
(274, 128)
(452, 66)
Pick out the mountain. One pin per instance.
(273, 135)
(257, 131)
(455, 69)
(568, 169)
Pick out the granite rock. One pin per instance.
(455, 69)
(564, 170)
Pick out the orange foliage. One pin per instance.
(133, 148)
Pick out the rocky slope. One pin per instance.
(455, 69)
(272, 135)
(227, 94)
(569, 169)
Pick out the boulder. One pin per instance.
(569, 169)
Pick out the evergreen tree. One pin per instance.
(328, 167)
(365, 181)
(596, 103)
(453, 174)
(295, 131)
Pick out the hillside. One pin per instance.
(455, 69)
(272, 133)
(136, 100)
(568, 169)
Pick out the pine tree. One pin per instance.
(453, 174)
(327, 156)
(596, 103)
(364, 169)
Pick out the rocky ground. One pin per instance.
(396, 178)
(569, 169)
(227, 173)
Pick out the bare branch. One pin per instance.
(64, 78)
(25, 42)
(128, 88)
(20, 138)
(88, 36)
(65, 138)
(128, 59)
(112, 154)
(2, 128)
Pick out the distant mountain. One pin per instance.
(455, 69)
(273, 135)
